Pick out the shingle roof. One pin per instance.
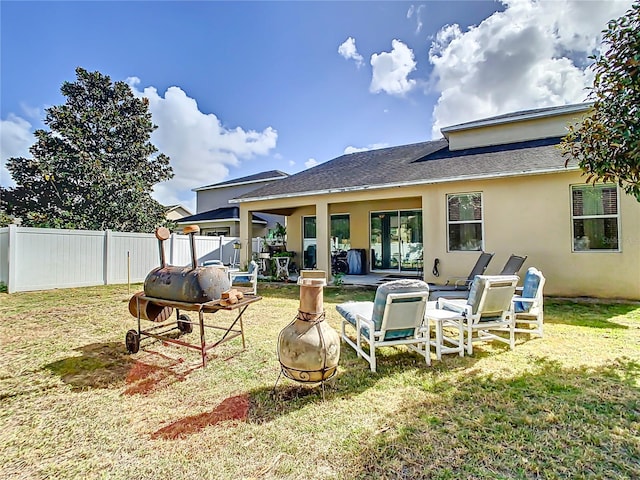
(225, 213)
(427, 162)
(268, 175)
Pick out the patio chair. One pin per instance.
(487, 310)
(528, 307)
(248, 278)
(513, 265)
(395, 317)
(458, 287)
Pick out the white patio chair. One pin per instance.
(395, 317)
(487, 310)
(250, 277)
(528, 307)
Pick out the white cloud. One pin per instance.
(291, 163)
(349, 51)
(200, 146)
(373, 146)
(15, 139)
(391, 70)
(534, 54)
(312, 162)
(418, 14)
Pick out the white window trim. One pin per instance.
(587, 217)
(459, 222)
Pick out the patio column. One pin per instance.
(246, 232)
(430, 232)
(323, 259)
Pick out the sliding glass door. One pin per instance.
(340, 237)
(396, 240)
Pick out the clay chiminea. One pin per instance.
(309, 348)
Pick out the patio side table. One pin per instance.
(439, 318)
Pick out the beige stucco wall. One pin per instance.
(528, 215)
(499, 134)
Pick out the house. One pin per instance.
(215, 216)
(176, 212)
(498, 185)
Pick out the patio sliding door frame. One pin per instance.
(401, 252)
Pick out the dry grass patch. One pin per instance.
(76, 405)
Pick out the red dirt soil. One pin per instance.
(232, 408)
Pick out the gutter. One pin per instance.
(361, 188)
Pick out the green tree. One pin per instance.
(607, 142)
(96, 167)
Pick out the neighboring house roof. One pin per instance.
(258, 177)
(174, 208)
(218, 215)
(420, 163)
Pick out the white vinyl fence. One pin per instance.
(44, 258)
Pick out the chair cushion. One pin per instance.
(529, 290)
(252, 266)
(475, 292)
(396, 286)
(495, 303)
(349, 310)
(242, 279)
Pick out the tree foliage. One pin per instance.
(96, 167)
(607, 142)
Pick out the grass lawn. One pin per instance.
(74, 404)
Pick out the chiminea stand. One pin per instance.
(184, 324)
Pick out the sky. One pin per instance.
(238, 88)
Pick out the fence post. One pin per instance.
(12, 258)
(105, 263)
(171, 247)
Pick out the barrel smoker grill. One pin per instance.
(191, 288)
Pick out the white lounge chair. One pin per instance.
(528, 308)
(488, 309)
(395, 317)
(248, 278)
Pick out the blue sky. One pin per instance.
(237, 88)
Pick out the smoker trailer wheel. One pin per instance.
(184, 324)
(132, 341)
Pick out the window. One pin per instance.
(218, 232)
(594, 210)
(464, 221)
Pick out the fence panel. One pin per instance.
(130, 256)
(48, 258)
(43, 258)
(208, 248)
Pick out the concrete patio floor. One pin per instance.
(368, 280)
